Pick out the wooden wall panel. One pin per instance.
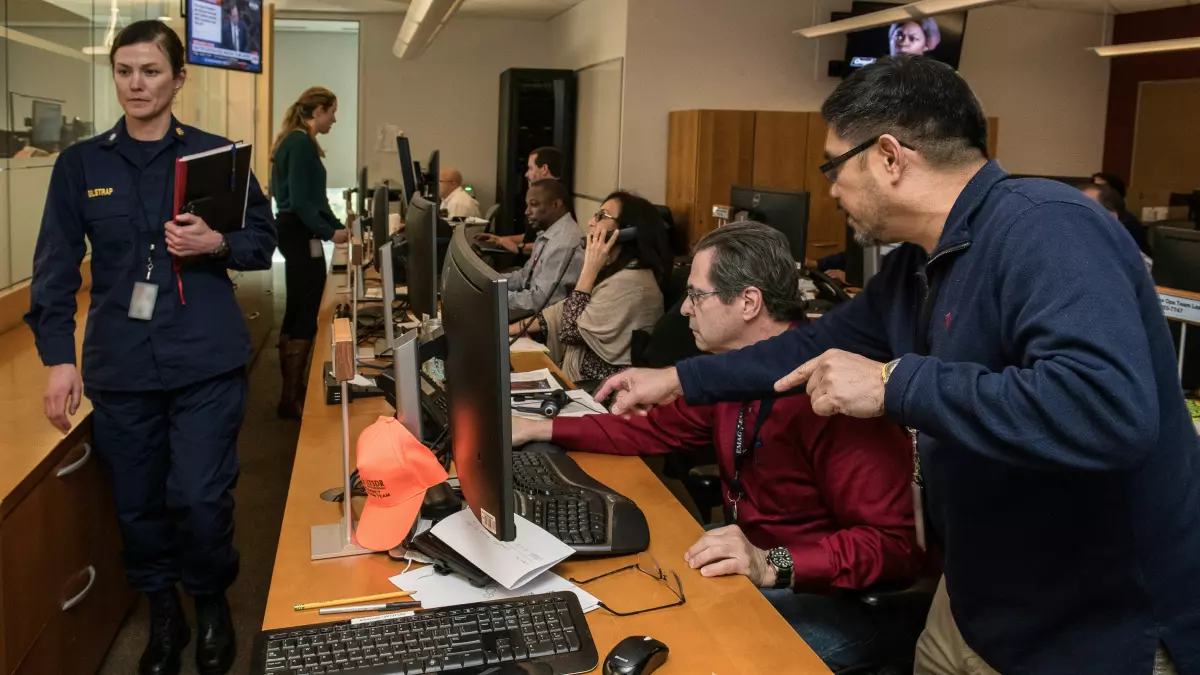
(683, 133)
(726, 158)
(780, 150)
(826, 223)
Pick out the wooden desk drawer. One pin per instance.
(59, 544)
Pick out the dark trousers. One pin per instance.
(304, 275)
(172, 460)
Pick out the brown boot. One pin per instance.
(283, 340)
(293, 359)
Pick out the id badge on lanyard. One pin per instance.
(145, 294)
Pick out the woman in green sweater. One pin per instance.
(304, 221)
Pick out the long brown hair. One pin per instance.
(301, 111)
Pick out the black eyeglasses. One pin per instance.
(648, 565)
(831, 168)
(695, 296)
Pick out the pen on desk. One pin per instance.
(379, 607)
(343, 601)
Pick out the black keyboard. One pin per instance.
(470, 639)
(553, 491)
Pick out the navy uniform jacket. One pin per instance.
(101, 189)
(1061, 467)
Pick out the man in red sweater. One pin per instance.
(814, 504)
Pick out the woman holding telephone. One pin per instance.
(166, 346)
(627, 260)
(305, 220)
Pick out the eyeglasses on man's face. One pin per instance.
(648, 565)
(833, 167)
(695, 296)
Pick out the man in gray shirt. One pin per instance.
(557, 257)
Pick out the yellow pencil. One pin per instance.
(346, 601)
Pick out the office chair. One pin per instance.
(490, 216)
(910, 602)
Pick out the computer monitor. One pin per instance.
(363, 186)
(1177, 258)
(434, 169)
(47, 125)
(422, 265)
(407, 175)
(475, 322)
(783, 210)
(379, 222)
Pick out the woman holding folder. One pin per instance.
(305, 220)
(165, 349)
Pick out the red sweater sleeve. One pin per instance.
(665, 429)
(863, 469)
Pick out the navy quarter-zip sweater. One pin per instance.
(1059, 459)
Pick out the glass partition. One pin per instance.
(57, 88)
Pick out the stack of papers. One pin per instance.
(581, 404)
(511, 563)
(524, 344)
(435, 590)
(533, 382)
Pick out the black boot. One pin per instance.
(169, 634)
(215, 642)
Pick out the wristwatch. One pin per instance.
(781, 560)
(222, 250)
(888, 368)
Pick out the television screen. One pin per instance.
(938, 37)
(225, 34)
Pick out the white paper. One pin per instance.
(581, 405)
(363, 381)
(524, 344)
(533, 382)
(511, 563)
(434, 590)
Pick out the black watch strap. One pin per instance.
(781, 559)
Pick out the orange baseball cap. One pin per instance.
(396, 470)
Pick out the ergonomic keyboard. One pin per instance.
(552, 491)
(473, 639)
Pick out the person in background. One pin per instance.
(1134, 226)
(1111, 200)
(914, 37)
(456, 203)
(545, 163)
(557, 257)
(1017, 332)
(619, 290)
(820, 506)
(166, 346)
(305, 220)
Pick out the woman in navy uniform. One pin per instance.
(164, 352)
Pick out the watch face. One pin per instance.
(780, 558)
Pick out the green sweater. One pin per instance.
(298, 185)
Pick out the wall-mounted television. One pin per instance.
(225, 34)
(939, 37)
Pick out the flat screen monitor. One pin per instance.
(408, 176)
(225, 34)
(379, 222)
(1177, 258)
(433, 172)
(784, 210)
(939, 37)
(422, 257)
(47, 125)
(475, 324)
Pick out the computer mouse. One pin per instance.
(635, 655)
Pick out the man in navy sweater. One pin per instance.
(1017, 332)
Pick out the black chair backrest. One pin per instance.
(670, 342)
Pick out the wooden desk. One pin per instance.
(726, 627)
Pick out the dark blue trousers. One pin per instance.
(172, 460)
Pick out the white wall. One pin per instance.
(1028, 67)
(306, 59)
(1031, 69)
(447, 99)
(589, 33)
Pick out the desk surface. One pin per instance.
(29, 438)
(726, 626)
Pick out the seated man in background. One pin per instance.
(557, 257)
(544, 163)
(1134, 226)
(456, 203)
(1108, 197)
(815, 505)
